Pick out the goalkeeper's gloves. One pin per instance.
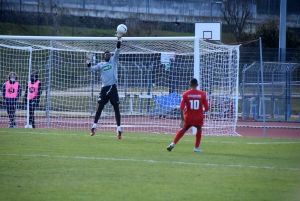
(89, 57)
(119, 42)
(119, 35)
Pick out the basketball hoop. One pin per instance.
(208, 31)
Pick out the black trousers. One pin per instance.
(109, 93)
(11, 107)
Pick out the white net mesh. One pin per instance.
(152, 75)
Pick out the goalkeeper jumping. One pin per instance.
(109, 92)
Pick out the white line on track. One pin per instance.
(153, 138)
(154, 161)
(272, 142)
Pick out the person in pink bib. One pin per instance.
(11, 92)
(35, 92)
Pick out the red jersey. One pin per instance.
(194, 103)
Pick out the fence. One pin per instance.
(281, 91)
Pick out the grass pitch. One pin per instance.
(71, 165)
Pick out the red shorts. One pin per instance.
(198, 124)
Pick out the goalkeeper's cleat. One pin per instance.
(28, 126)
(93, 131)
(14, 125)
(197, 149)
(119, 134)
(170, 147)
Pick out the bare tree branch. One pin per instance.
(55, 12)
(136, 27)
(236, 13)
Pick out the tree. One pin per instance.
(137, 27)
(236, 13)
(53, 12)
(269, 32)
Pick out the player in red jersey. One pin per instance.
(192, 106)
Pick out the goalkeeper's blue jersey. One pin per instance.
(108, 70)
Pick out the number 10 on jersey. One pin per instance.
(194, 104)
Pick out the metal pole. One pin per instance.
(197, 72)
(48, 86)
(92, 93)
(262, 88)
(211, 4)
(243, 92)
(125, 87)
(268, 7)
(286, 96)
(27, 87)
(73, 26)
(38, 17)
(1, 11)
(289, 71)
(141, 83)
(282, 32)
(272, 96)
(183, 7)
(21, 12)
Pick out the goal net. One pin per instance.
(152, 75)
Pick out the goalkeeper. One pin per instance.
(109, 92)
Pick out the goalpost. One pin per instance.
(153, 72)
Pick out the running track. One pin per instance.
(273, 129)
(244, 128)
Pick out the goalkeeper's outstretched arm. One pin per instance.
(117, 51)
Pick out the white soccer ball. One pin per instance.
(122, 29)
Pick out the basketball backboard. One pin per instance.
(208, 30)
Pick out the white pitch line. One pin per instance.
(272, 142)
(153, 161)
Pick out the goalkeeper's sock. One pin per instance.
(94, 125)
(178, 135)
(198, 138)
(119, 128)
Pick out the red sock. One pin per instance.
(178, 135)
(198, 138)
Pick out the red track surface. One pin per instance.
(273, 129)
(246, 129)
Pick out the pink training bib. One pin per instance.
(33, 89)
(11, 90)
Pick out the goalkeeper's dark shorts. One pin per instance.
(109, 93)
